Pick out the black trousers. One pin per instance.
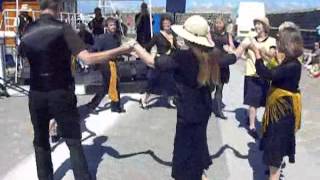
(106, 75)
(62, 106)
(218, 98)
(2, 89)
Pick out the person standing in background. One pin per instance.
(221, 38)
(143, 28)
(23, 20)
(97, 23)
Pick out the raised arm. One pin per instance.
(230, 41)
(150, 44)
(145, 56)
(274, 74)
(78, 48)
(100, 57)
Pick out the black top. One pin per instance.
(285, 76)
(24, 21)
(86, 37)
(48, 45)
(105, 42)
(143, 28)
(163, 45)
(97, 26)
(221, 39)
(194, 103)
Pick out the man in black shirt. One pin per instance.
(96, 24)
(142, 21)
(111, 39)
(48, 45)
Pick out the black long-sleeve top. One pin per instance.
(221, 39)
(285, 76)
(194, 102)
(163, 45)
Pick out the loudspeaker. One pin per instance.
(176, 6)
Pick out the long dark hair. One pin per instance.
(209, 71)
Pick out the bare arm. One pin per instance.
(100, 57)
(230, 39)
(146, 57)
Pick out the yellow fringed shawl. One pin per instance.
(113, 91)
(277, 107)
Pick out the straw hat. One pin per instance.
(25, 8)
(195, 29)
(263, 20)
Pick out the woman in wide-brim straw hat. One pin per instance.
(195, 73)
(282, 116)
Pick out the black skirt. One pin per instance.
(191, 154)
(160, 82)
(255, 91)
(279, 141)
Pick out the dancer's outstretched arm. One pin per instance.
(145, 56)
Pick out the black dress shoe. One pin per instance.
(5, 93)
(118, 110)
(221, 115)
(253, 133)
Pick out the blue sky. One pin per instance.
(88, 6)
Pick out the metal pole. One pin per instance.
(2, 60)
(17, 8)
(150, 14)
(15, 54)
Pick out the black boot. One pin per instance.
(218, 111)
(78, 160)
(3, 91)
(44, 163)
(116, 107)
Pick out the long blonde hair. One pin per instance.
(209, 71)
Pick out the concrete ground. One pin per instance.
(138, 145)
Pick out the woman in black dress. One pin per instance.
(195, 73)
(166, 44)
(282, 116)
(221, 38)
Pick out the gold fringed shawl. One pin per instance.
(113, 91)
(278, 107)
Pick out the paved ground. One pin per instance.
(138, 145)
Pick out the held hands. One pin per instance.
(246, 43)
(130, 44)
(229, 49)
(255, 49)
